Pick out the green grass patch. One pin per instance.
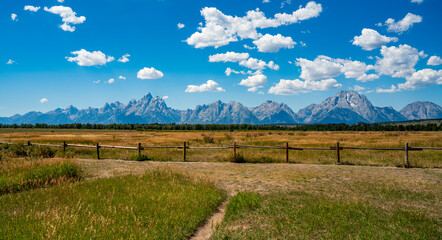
(22, 175)
(157, 205)
(298, 215)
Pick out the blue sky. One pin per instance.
(53, 53)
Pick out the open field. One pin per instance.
(302, 201)
(267, 138)
(156, 205)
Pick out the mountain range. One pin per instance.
(345, 107)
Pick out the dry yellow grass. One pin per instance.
(266, 138)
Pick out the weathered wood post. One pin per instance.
(64, 148)
(407, 163)
(184, 151)
(98, 151)
(139, 149)
(287, 152)
(337, 152)
(29, 143)
(234, 151)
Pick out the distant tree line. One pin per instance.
(236, 127)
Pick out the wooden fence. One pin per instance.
(338, 148)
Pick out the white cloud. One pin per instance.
(398, 61)
(254, 82)
(165, 97)
(392, 89)
(210, 86)
(265, 1)
(248, 47)
(228, 57)
(285, 2)
(31, 8)
(122, 78)
(422, 78)
(43, 100)
(149, 73)
(85, 58)
(110, 81)
(272, 43)
(124, 58)
(321, 68)
(417, 1)
(180, 25)
(404, 24)
(229, 71)
(10, 61)
(14, 17)
(358, 88)
(434, 61)
(68, 17)
(371, 39)
(324, 67)
(257, 64)
(60, 1)
(221, 29)
(96, 82)
(289, 87)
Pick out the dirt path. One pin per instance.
(206, 231)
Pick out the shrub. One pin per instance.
(18, 150)
(208, 139)
(43, 151)
(141, 157)
(239, 158)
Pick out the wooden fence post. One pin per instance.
(287, 152)
(98, 151)
(407, 163)
(337, 152)
(139, 149)
(29, 143)
(234, 151)
(184, 151)
(64, 148)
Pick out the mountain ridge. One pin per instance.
(345, 107)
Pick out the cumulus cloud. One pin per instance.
(96, 82)
(85, 58)
(31, 8)
(290, 87)
(257, 64)
(165, 97)
(371, 39)
(272, 43)
(180, 25)
(254, 82)
(434, 61)
(228, 57)
(149, 73)
(122, 77)
(43, 100)
(10, 61)
(124, 58)
(220, 29)
(404, 24)
(229, 71)
(398, 61)
(110, 81)
(265, 1)
(392, 89)
(14, 17)
(324, 67)
(422, 78)
(209, 86)
(358, 88)
(417, 1)
(68, 17)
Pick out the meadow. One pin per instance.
(425, 158)
(366, 197)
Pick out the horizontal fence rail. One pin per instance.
(234, 146)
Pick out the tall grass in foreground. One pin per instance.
(157, 205)
(299, 215)
(20, 175)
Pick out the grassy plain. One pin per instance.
(159, 204)
(266, 138)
